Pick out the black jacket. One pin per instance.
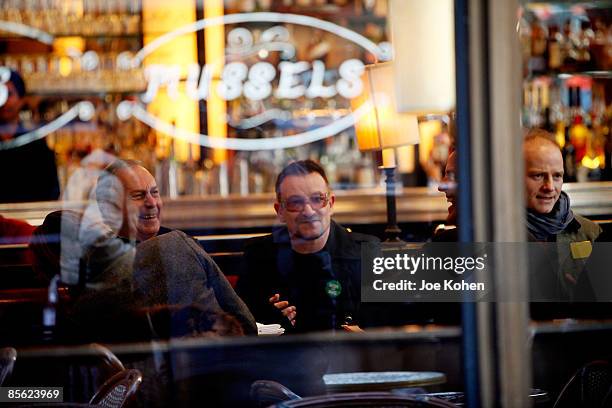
(271, 266)
(28, 173)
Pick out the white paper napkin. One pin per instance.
(269, 329)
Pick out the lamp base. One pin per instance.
(392, 231)
(392, 234)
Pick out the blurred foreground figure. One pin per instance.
(29, 172)
(114, 254)
(448, 232)
(125, 210)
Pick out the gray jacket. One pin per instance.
(174, 269)
(170, 269)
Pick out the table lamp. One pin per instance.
(383, 129)
(419, 81)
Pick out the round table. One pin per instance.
(381, 381)
(537, 396)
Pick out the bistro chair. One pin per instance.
(118, 390)
(589, 387)
(81, 373)
(537, 397)
(110, 361)
(381, 381)
(56, 405)
(367, 399)
(266, 392)
(7, 361)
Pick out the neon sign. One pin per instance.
(26, 31)
(255, 83)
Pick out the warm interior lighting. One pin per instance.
(388, 158)
(382, 127)
(405, 159)
(560, 134)
(68, 46)
(214, 52)
(65, 66)
(590, 162)
(427, 132)
(422, 34)
(420, 80)
(181, 110)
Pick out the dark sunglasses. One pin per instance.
(297, 203)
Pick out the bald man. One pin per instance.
(143, 203)
(549, 216)
(551, 219)
(129, 265)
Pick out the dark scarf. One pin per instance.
(542, 226)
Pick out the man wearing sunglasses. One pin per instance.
(306, 275)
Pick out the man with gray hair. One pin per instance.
(128, 266)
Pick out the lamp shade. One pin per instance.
(382, 127)
(422, 33)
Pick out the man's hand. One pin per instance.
(287, 311)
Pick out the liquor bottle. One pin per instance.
(556, 115)
(539, 35)
(580, 135)
(595, 157)
(187, 186)
(598, 46)
(586, 37)
(554, 48)
(525, 40)
(607, 125)
(607, 53)
(569, 152)
(569, 160)
(569, 52)
(578, 130)
(173, 171)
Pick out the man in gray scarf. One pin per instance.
(549, 216)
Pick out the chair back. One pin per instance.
(81, 371)
(590, 387)
(7, 361)
(367, 399)
(107, 357)
(57, 405)
(266, 392)
(118, 390)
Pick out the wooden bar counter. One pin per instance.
(364, 206)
